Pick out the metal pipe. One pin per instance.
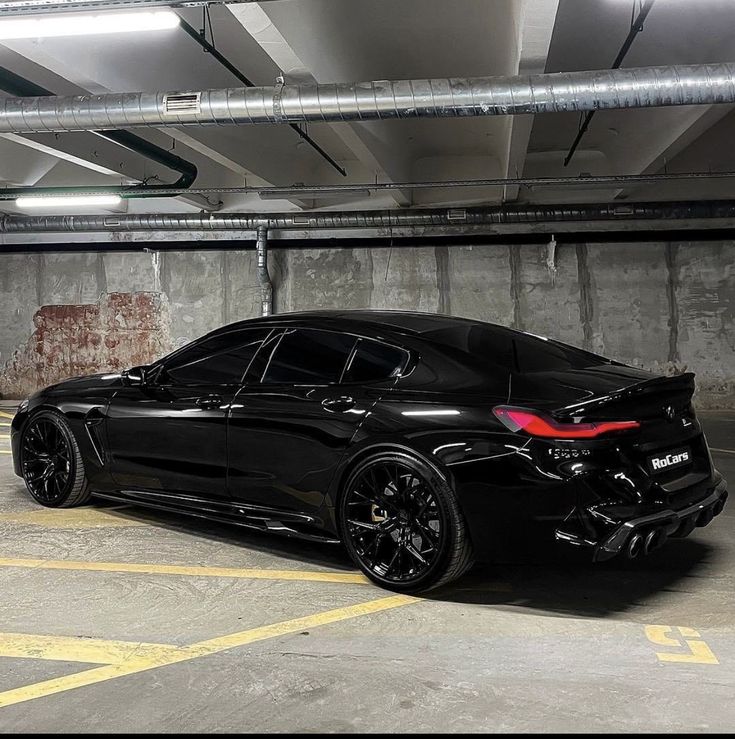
(16, 85)
(335, 220)
(28, 7)
(232, 69)
(700, 84)
(264, 278)
(635, 28)
(315, 191)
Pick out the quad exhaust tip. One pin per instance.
(644, 544)
(654, 539)
(635, 546)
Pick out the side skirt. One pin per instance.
(258, 518)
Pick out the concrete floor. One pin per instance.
(185, 642)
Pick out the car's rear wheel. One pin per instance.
(51, 462)
(402, 525)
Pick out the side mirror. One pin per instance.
(136, 376)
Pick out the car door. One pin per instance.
(170, 435)
(290, 426)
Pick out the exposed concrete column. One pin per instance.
(264, 278)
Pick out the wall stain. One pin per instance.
(101, 274)
(516, 285)
(278, 266)
(586, 305)
(165, 272)
(369, 266)
(672, 285)
(443, 285)
(120, 330)
(225, 281)
(40, 276)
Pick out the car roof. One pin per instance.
(411, 322)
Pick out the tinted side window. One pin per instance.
(309, 357)
(487, 344)
(374, 361)
(537, 355)
(219, 360)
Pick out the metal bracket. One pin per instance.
(278, 92)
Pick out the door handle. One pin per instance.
(338, 405)
(209, 401)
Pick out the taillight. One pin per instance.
(541, 425)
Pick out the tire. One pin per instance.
(52, 465)
(401, 523)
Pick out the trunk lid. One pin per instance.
(639, 400)
(604, 391)
(668, 448)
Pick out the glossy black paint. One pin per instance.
(275, 456)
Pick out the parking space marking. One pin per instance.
(5, 451)
(195, 571)
(722, 451)
(3, 414)
(78, 648)
(699, 652)
(141, 663)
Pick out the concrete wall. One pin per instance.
(667, 307)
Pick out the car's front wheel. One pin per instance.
(51, 462)
(402, 525)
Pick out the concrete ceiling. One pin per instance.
(335, 40)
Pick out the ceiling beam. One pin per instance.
(375, 156)
(536, 29)
(672, 140)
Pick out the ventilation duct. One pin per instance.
(17, 85)
(334, 220)
(705, 84)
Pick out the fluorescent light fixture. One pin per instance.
(437, 412)
(66, 201)
(84, 25)
(30, 4)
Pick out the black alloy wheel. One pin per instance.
(51, 462)
(402, 525)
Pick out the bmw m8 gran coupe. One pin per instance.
(421, 442)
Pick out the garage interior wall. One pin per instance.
(667, 307)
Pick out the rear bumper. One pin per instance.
(662, 524)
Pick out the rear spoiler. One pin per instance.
(675, 384)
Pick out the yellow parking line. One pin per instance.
(153, 569)
(78, 649)
(5, 451)
(722, 451)
(6, 415)
(4, 436)
(210, 646)
(7, 425)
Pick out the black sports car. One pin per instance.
(420, 441)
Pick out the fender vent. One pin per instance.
(185, 102)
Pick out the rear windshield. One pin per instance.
(513, 350)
